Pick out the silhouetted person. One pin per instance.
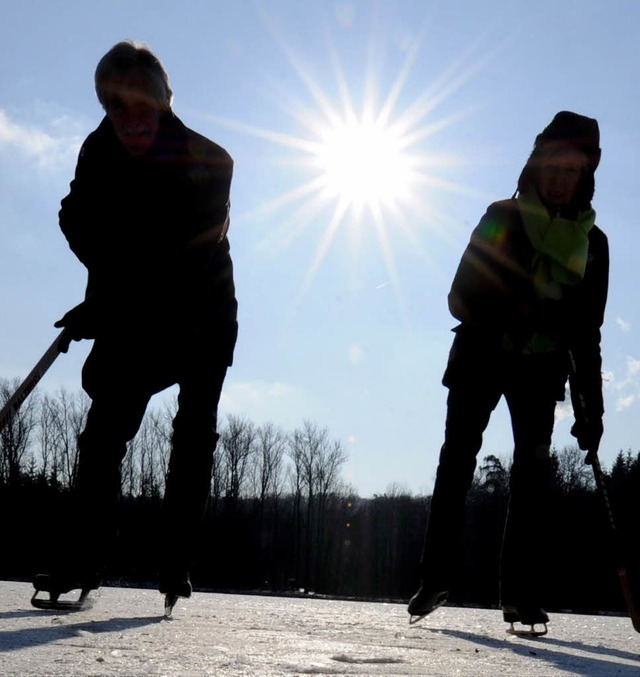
(530, 292)
(147, 214)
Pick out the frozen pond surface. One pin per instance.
(229, 635)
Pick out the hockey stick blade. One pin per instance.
(13, 404)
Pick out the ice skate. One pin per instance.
(529, 615)
(424, 602)
(173, 587)
(61, 584)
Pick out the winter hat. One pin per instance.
(579, 131)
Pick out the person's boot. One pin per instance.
(526, 614)
(62, 582)
(425, 601)
(174, 583)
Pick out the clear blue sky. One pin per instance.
(342, 283)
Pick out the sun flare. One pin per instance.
(362, 169)
(364, 164)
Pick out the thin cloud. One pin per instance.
(630, 378)
(46, 147)
(356, 353)
(623, 325)
(564, 410)
(625, 402)
(263, 401)
(628, 387)
(633, 366)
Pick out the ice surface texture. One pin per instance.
(232, 635)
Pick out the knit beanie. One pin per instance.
(579, 131)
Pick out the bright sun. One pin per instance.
(361, 169)
(364, 164)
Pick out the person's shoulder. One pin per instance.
(200, 145)
(503, 208)
(499, 217)
(204, 149)
(501, 229)
(100, 138)
(598, 238)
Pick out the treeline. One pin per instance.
(281, 518)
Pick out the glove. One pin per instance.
(588, 433)
(79, 323)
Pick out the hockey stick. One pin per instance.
(13, 404)
(621, 569)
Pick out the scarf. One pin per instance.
(561, 245)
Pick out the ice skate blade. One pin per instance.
(416, 618)
(528, 632)
(54, 604)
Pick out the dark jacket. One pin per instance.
(493, 297)
(151, 232)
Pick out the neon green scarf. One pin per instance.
(561, 248)
(561, 245)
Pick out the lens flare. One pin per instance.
(364, 168)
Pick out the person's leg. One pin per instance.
(188, 479)
(531, 397)
(118, 405)
(469, 408)
(102, 446)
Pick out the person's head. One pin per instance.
(133, 88)
(563, 162)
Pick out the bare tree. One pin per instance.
(270, 446)
(47, 437)
(328, 467)
(317, 461)
(238, 442)
(393, 530)
(144, 467)
(573, 474)
(75, 409)
(267, 487)
(493, 475)
(304, 446)
(62, 419)
(15, 437)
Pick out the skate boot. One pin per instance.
(57, 584)
(174, 585)
(424, 602)
(526, 614)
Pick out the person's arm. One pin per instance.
(585, 377)
(490, 288)
(209, 199)
(80, 209)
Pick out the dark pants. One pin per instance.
(121, 379)
(531, 386)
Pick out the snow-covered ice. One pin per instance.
(229, 635)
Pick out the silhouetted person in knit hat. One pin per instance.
(529, 293)
(148, 215)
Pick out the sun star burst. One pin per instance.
(362, 168)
